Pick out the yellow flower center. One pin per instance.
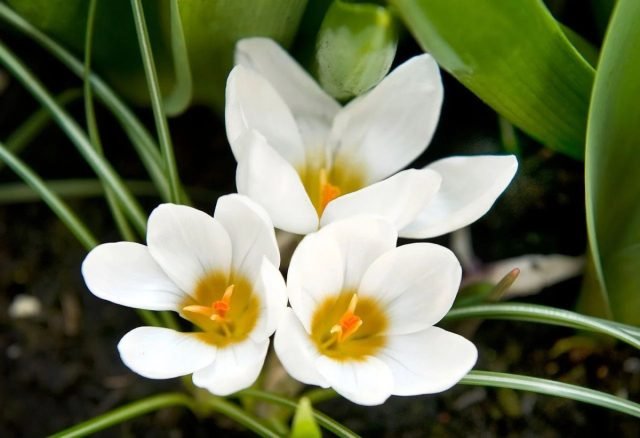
(225, 309)
(326, 183)
(349, 327)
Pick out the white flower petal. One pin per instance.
(415, 284)
(387, 128)
(188, 244)
(368, 382)
(252, 103)
(236, 367)
(302, 94)
(161, 353)
(296, 351)
(269, 179)
(315, 273)
(361, 240)
(272, 293)
(126, 274)
(251, 232)
(399, 198)
(470, 186)
(429, 361)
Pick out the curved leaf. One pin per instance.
(612, 162)
(515, 57)
(211, 29)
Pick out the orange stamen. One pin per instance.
(349, 322)
(218, 309)
(328, 192)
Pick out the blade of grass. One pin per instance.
(13, 193)
(100, 166)
(75, 225)
(127, 412)
(180, 97)
(92, 125)
(550, 387)
(142, 141)
(544, 315)
(160, 118)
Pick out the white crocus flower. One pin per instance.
(220, 273)
(362, 314)
(308, 161)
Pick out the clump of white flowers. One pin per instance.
(362, 310)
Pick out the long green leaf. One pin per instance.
(180, 96)
(77, 137)
(13, 193)
(92, 125)
(116, 53)
(156, 99)
(612, 163)
(124, 413)
(56, 204)
(515, 57)
(545, 315)
(550, 387)
(146, 147)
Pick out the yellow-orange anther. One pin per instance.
(218, 309)
(328, 192)
(349, 322)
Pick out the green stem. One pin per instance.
(544, 315)
(125, 413)
(100, 166)
(144, 144)
(550, 387)
(239, 415)
(156, 99)
(94, 135)
(322, 419)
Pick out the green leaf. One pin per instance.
(547, 315)
(304, 425)
(612, 163)
(127, 412)
(144, 144)
(57, 205)
(550, 387)
(115, 54)
(515, 57)
(355, 47)
(212, 28)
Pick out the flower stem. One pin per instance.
(125, 413)
(550, 387)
